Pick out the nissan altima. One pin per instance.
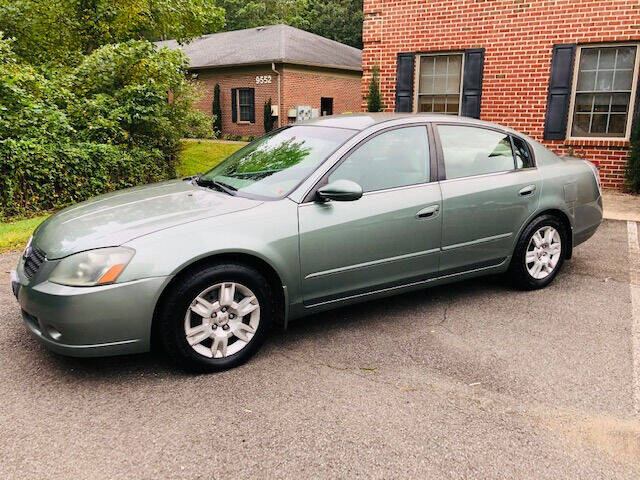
(311, 216)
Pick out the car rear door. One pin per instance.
(388, 237)
(490, 186)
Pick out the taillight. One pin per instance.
(596, 174)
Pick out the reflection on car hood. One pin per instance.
(119, 217)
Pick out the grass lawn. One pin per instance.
(195, 157)
(200, 156)
(14, 235)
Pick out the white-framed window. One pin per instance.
(439, 83)
(604, 86)
(245, 106)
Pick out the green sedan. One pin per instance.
(307, 218)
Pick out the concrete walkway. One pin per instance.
(621, 206)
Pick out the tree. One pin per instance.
(217, 110)
(374, 97)
(269, 120)
(632, 172)
(339, 20)
(56, 31)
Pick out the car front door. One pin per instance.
(389, 236)
(491, 187)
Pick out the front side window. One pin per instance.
(440, 83)
(392, 159)
(471, 151)
(275, 164)
(604, 86)
(245, 104)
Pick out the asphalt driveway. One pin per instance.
(471, 380)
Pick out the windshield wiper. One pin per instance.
(220, 186)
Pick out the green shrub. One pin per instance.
(106, 124)
(216, 110)
(374, 97)
(269, 119)
(632, 172)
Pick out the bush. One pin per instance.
(106, 124)
(632, 172)
(374, 97)
(216, 110)
(269, 120)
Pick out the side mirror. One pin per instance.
(340, 191)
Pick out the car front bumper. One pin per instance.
(90, 321)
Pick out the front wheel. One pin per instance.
(216, 318)
(539, 253)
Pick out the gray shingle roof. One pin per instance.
(274, 43)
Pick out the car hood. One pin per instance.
(116, 218)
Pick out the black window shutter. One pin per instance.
(252, 100)
(472, 82)
(234, 105)
(559, 96)
(404, 82)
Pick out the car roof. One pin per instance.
(361, 121)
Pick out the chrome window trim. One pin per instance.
(442, 171)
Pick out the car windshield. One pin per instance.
(272, 166)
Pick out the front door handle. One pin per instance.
(528, 190)
(427, 212)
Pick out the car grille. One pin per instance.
(33, 260)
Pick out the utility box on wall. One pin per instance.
(303, 112)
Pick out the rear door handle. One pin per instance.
(528, 190)
(427, 212)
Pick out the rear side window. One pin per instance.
(471, 151)
(522, 153)
(392, 159)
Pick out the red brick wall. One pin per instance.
(518, 36)
(299, 86)
(306, 86)
(238, 77)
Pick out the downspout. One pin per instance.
(273, 67)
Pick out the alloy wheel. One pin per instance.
(222, 320)
(543, 252)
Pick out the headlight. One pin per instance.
(94, 267)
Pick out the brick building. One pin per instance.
(291, 67)
(563, 71)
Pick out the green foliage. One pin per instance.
(58, 31)
(374, 97)
(340, 20)
(269, 119)
(632, 172)
(216, 110)
(106, 124)
(262, 162)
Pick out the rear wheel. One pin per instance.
(539, 253)
(216, 318)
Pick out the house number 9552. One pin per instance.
(263, 79)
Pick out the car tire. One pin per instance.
(182, 312)
(522, 272)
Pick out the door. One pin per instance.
(491, 188)
(388, 237)
(326, 106)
